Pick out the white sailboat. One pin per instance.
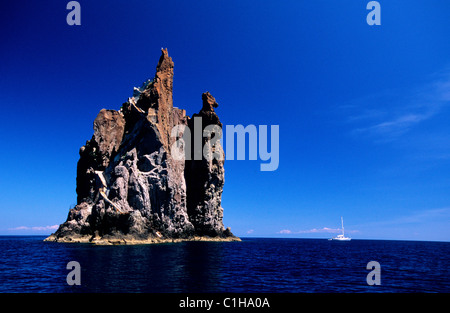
(341, 237)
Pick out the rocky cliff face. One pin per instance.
(129, 187)
(205, 177)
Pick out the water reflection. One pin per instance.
(193, 266)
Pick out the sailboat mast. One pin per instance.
(342, 221)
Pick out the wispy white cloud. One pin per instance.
(421, 216)
(416, 217)
(250, 231)
(35, 228)
(321, 230)
(316, 230)
(388, 115)
(427, 224)
(397, 126)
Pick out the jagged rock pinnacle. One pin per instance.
(209, 102)
(130, 189)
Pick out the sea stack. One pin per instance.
(131, 190)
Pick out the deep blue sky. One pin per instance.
(363, 110)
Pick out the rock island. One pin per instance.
(130, 190)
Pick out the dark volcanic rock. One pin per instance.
(205, 178)
(129, 187)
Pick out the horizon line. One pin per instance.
(258, 237)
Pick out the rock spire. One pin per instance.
(129, 187)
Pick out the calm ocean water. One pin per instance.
(27, 264)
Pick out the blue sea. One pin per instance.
(255, 265)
